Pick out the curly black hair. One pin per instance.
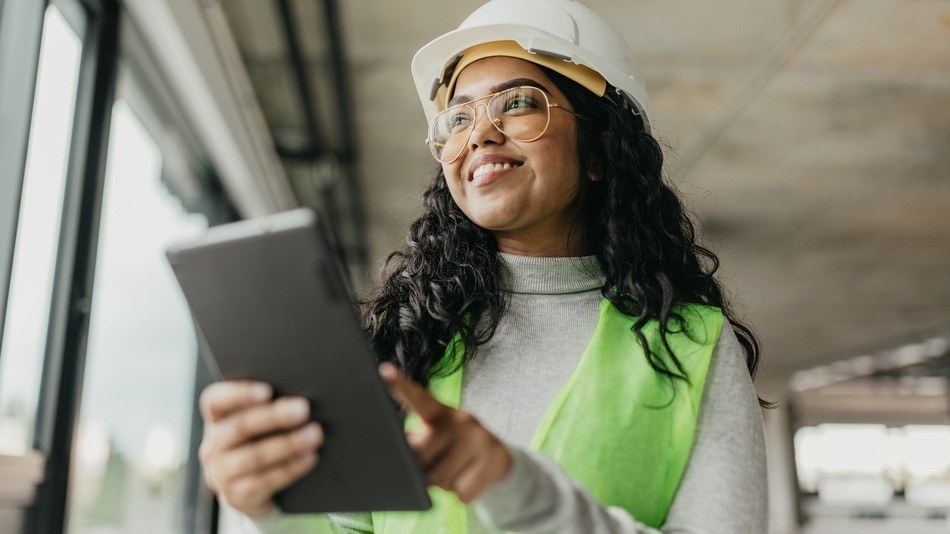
(447, 285)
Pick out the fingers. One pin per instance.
(268, 452)
(434, 444)
(247, 426)
(445, 472)
(469, 468)
(468, 484)
(468, 462)
(248, 476)
(222, 398)
(456, 452)
(254, 446)
(411, 396)
(491, 465)
(253, 494)
(256, 421)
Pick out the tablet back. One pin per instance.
(271, 304)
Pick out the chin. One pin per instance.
(491, 219)
(490, 225)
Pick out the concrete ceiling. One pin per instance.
(811, 138)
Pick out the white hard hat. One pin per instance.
(561, 34)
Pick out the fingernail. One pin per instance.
(307, 458)
(296, 407)
(310, 434)
(260, 392)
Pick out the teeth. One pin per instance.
(489, 167)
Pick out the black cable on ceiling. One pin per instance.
(317, 149)
(315, 138)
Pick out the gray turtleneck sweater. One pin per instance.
(554, 308)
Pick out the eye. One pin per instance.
(521, 101)
(457, 118)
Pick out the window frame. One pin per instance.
(60, 387)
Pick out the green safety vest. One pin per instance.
(617, 426)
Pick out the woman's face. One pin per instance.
(526, 194)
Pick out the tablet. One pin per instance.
(271, 304)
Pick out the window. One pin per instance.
(135, 422)
(23, 346)
(120, 337)
(875, 472)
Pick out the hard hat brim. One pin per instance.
(434, 64)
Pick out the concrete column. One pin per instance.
(783, 479)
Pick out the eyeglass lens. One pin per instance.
(521, 113)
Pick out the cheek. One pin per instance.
(451, 170)
(451, 173)
(562, 164)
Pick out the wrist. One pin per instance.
(259, 513)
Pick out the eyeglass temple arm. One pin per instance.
(555, 105)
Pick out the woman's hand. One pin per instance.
(254, 446)
(457, 453)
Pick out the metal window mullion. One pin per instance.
(21, 28)
(75, 267)
(199, 513)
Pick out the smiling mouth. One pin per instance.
(486, 168)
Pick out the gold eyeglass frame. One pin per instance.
(473, 105)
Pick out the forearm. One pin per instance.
(537, 497)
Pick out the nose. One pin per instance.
(483, 131)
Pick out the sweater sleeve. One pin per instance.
(723, 489)
(278, 522)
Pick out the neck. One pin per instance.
(547, 245)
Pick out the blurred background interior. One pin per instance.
(810, 137)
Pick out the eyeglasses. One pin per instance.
(520, 113)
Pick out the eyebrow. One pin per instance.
(517, 82)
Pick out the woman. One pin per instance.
(552, 326)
